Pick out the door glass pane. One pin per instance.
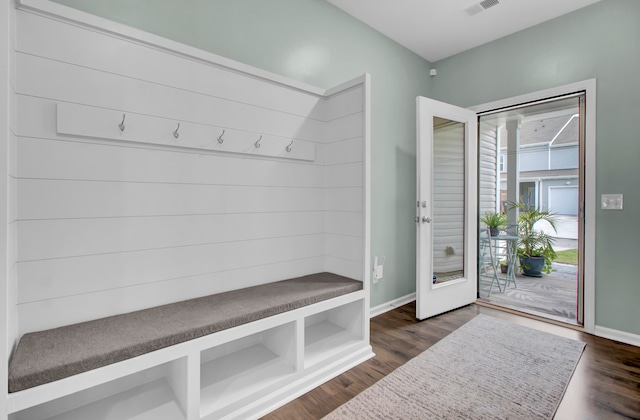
(448, 199)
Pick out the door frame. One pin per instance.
(589, 209)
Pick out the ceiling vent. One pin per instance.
(489, 3)
(479, 7)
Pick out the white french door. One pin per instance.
(446, 207)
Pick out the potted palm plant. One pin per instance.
(494, 221)
(535, 247)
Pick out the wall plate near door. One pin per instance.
(611, 201)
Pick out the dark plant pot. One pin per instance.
(494, 231)
(504, 267)
(532, 266)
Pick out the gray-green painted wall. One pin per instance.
(601, 41)
(312, 41)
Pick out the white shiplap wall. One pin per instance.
(107, 227)
(344, 183)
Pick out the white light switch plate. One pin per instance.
(611, 201)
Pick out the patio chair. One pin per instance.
(508, 253)
(487, 263)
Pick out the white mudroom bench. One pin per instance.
(244, 352)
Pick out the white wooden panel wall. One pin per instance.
(87, 86)
(114, 55)
(107, 227)
(488, 169)
(448, 198)
(344, 183)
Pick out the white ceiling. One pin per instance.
(437, 29)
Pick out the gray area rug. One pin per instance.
(486, 369)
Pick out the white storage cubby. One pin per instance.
(329, 333)
(246, 369)
(239, 373)
(157, 393)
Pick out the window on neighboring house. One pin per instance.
(503, 163)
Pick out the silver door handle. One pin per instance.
(426, 219)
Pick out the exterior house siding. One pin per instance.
(564, 157)
(534, 158)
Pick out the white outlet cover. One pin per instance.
(611, 201)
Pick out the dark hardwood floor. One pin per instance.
(605, 385)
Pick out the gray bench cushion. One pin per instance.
(47, 356)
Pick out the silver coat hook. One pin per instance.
(175, 133)
(121, 125)
(220, 139)
(257, 143)
(289, 146)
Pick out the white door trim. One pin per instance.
(589, 87)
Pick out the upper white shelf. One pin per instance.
(93, 122)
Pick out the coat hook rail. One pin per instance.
(222, 140)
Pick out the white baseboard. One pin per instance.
(388, 306)
(622, 336)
